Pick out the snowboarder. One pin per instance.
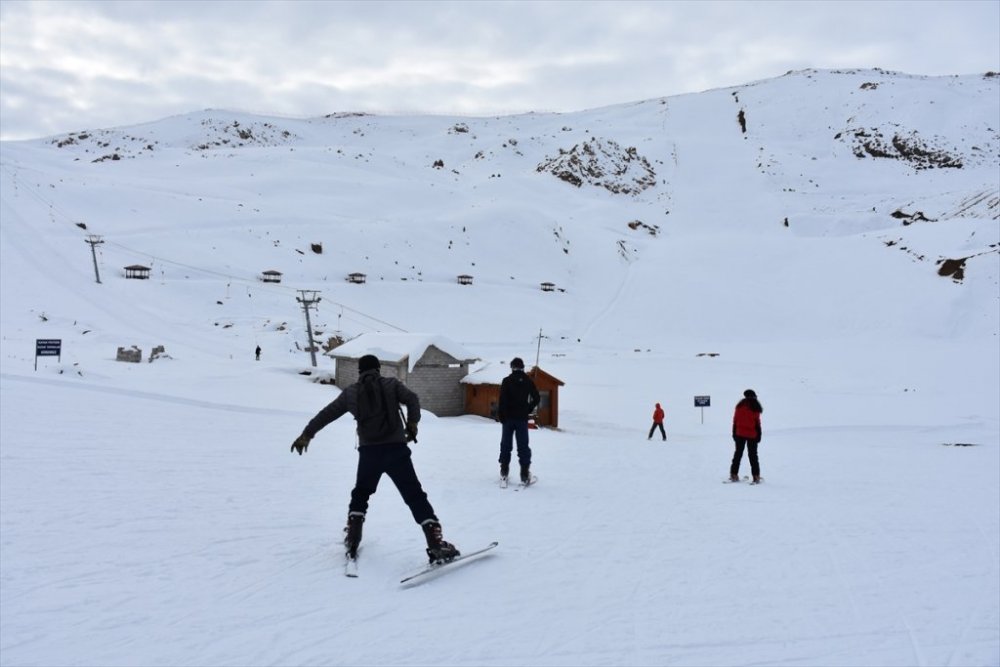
(746, 434)
(518, 399)
(657, 422)
(257, 352)
(374, 401)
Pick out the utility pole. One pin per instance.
(94, 240)
(538, 352)
(309, 299)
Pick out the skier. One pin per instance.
(374, 401)
(518, 399)
(657, 422)
(257, 352)
(746, 434)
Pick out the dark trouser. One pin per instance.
(393, 460)
(751, 447)
(515, 429)
(654, 427)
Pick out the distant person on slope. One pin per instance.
(374, 401)
(257, 352)
(518, 399)
(657, 423)
(746, 434)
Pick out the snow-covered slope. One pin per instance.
(789, 234)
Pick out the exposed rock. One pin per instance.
(602, 163)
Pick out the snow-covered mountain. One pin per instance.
(831, 238)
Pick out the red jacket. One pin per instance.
(746, 419)
(658, 414)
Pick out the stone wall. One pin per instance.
(131, 355)
(436, 379)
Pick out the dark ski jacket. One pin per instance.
(746, 419)
(518, 396)
(396, 393)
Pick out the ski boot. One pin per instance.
(352, 533)
(733, 477)
(438, 551)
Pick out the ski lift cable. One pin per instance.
(163, 260)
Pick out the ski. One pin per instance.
(350, 566)
(524, 485)
(735, 481)
(435, 569)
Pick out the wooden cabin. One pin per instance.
(137, 272)
(482, 393)
(356, 278)
(271, 276)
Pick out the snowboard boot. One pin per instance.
(438, 551)
(504, 470)
(352, 533)
(525, 474)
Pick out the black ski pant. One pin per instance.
(751, 447)
(514, 430)
(394, 460)
(654, 427)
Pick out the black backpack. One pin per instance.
(375, 420)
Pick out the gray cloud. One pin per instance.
(79, 65)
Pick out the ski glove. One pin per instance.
(301, 444)
(411, 432)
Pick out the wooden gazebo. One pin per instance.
(548, 287)
(356, 278)
(465, 279)
(271, 276)
(137, 272)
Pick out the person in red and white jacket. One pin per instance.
(657, 423)
(746, 434)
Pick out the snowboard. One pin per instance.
(435, 570)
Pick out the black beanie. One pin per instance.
(517, 363)
(368, 362)
(750, 393)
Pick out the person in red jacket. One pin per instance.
(746, 434)
(657, 422)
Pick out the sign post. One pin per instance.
(47, 347)
(702, 402)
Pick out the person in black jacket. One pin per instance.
(382, 448)
(518, 399)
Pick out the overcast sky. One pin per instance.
(73, 64)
